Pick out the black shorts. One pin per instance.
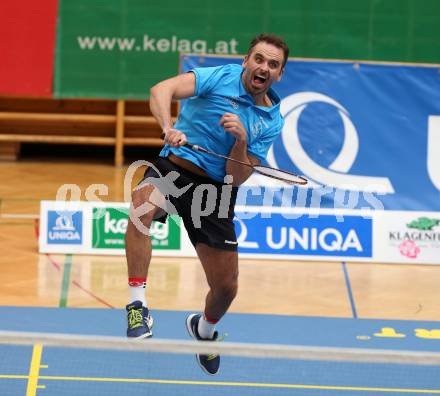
(205, 205)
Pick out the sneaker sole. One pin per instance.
(188, 326)
(146, 335)
(192, 335)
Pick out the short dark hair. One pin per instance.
(271, 39)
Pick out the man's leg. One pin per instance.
(221, 269)
(138, 253)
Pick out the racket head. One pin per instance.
(285, 176)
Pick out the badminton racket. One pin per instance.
(274, 173)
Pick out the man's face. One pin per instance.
(262, 67)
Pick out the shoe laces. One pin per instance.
(135, 318)
(219, 339)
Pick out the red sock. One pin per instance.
(137, 290)
(206, 327)
(210, 320)
(137, 282)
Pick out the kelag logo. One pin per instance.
(64, 228)
(110, 225)
(318, 236)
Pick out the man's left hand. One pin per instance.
(232, 124)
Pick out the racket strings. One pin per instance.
(280, 175)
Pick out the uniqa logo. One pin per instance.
(310, 239)
(64, 229)
(64, 223)
(65, 235)
(328, 239)
(336, 175)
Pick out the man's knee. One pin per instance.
(227, 289)
(140, 196)
(141, 208)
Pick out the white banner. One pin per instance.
(262, 233)
(99, 228)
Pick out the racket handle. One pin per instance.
(189, 145)
(193, 147)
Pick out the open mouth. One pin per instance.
(259, 80)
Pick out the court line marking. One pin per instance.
(58, 268)
(349, 290)
(226, 383)
(20, 199)
(66, 281)
(19, 216)
(15, 223)
(34, 370)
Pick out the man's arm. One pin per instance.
(240, 173)
(161, 96)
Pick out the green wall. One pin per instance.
(120, 48)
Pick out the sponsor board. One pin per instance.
(110, 225)
(305, 235)
(75, 227)
(165, 236)
(338, 135)
(262, 233)
(412, 237)
(64, 227)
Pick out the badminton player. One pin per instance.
(232, 110)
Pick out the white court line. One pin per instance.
(19, 216)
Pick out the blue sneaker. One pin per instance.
(139, 320)
(209, 363)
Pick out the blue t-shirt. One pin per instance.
(220, 90)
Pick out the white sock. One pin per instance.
(206, 329)
(137, 292)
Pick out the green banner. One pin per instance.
(110, 225)
(120, 48)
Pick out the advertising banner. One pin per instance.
(110, 225)
(100, 227)
(366, 136)
(120, 49)
(305, 234)
(410, 237)
(65, 228)
(278, 233)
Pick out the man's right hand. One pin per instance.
(174, 137)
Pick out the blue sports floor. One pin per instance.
(50, 371)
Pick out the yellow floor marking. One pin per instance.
(34, 370)
(213, 383)
(239, 384)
